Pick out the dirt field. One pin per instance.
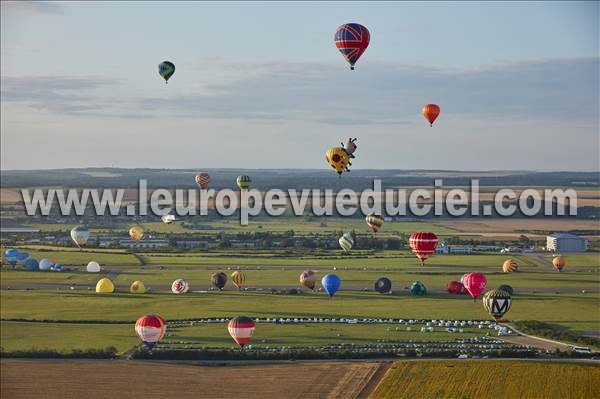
(101, 379)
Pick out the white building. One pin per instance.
(563, 242)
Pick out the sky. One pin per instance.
(261, 85)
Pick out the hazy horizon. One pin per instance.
(262, 86)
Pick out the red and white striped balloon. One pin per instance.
(202, 180)
(241, 329)
(150, 329)
(423, 244)
(180, 286)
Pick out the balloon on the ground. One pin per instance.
(338, 159)
(418, 288)
(423, 244)
(58, 267)
(136, 233)
(331, 283)
(507, 288)
(497, 303)
(352, 40)
(346, 242)
(150, 329)
(431, 112)
(180, 286)
(93, 267)
(11, 256)
(241, 329)
(243, 182)
(475, 284)
(455, 287)
(137, 287)
(559, 262)
(218, 280)
(202, 180)
(166, 69)
(32, 265)
(510, 266)
(45, 264)
(238, 278)
(80, 235)
(168, 219)
(374, 222)
(22, 257)
(462, 278)
(104, 286)
(308, 279)
(383, 285)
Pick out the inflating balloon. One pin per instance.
(352, 40)
(22, 257)
(166, 69)
(80, 235)
(58, 267)
(374, 222)
(150, 329)
(241, 329)
(137, 287)
(243, 182)
(136, 233)
(11, 256)
(431, 112)
(455, 287)
(179, 286)
(105, 286)
(93, 267)
(238, 278)
(497, 303)
(423, 245)
(383, 285)
(331, 283)
(510, 266)
(308, 279)
(32, 265)
(507, 288)
(559, 262)
(218, 280)
(167, 219)
(475, 284)
(346, 242)
(202, 180)
(45, 264)
(418, 288)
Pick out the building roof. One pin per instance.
(564, 235)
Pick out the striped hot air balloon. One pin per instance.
(243, 182)
(510, 266)
(308, 279)
(497, 303)
(346, 242)
(202, 180)
(559, 262)
(241, 329)
(218, 280)
(239, 279)
(423, 244)
(374, 222)
(80, 235)
(180, 286)
(150, 329)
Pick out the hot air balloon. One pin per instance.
(418, 288)
(58, 267)
(80, 235)
(136, 233)
(150, 329)
(559, 262)
(11, 256)
(497, 303)
(93, 267)
(475, 284)
(423, 245)
(308, 279)
(243, 182)
(105, 286)
(45, 264)
(137, 287)
(352, 40)
(218, 280)
(431, 112)
(167, 219)
(455, 287)
(238, 278)
(202, 180)
(383, 285)
(166, 69)
(22, 257)
(510, 266)
(462, 278)
(338, 159)
(507, 288)
(32, 265)
(346, 242)
(374, 222)
(241, 329)
(331, 283)
(180, 286)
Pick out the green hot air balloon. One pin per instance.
(166, 69)
(418, 288)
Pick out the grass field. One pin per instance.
(489, 379)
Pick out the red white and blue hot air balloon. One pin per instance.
(150, 329)
(352, 40)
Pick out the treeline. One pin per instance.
(34, 353)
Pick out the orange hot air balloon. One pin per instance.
(559, 262)
(431, 112)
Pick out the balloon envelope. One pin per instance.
(455, 287)
(219, 280)
(150, 329)
(374, 222)
(202, 180)
(243, 182)
(136, 233)
(93, 267)
(418, 288)
(241, 329)
(431, 112)
(497, 303)
(308, 279)
(346, 242)
(80, 235)
(32, 265)
(166, 69)
(510, 266)
(104, 286)
(137, 287)
(475, 284)
(338, 159)
(238, 278)
(383, 285)
(507, 288)
(352, 40)
(58, 267)
(331, 283)
(559, 262)
(180, 286)
(45, 264)
(423, 244)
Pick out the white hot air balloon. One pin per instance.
(45, 264)
(93, 267)
(168, 219)
(80, 235)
